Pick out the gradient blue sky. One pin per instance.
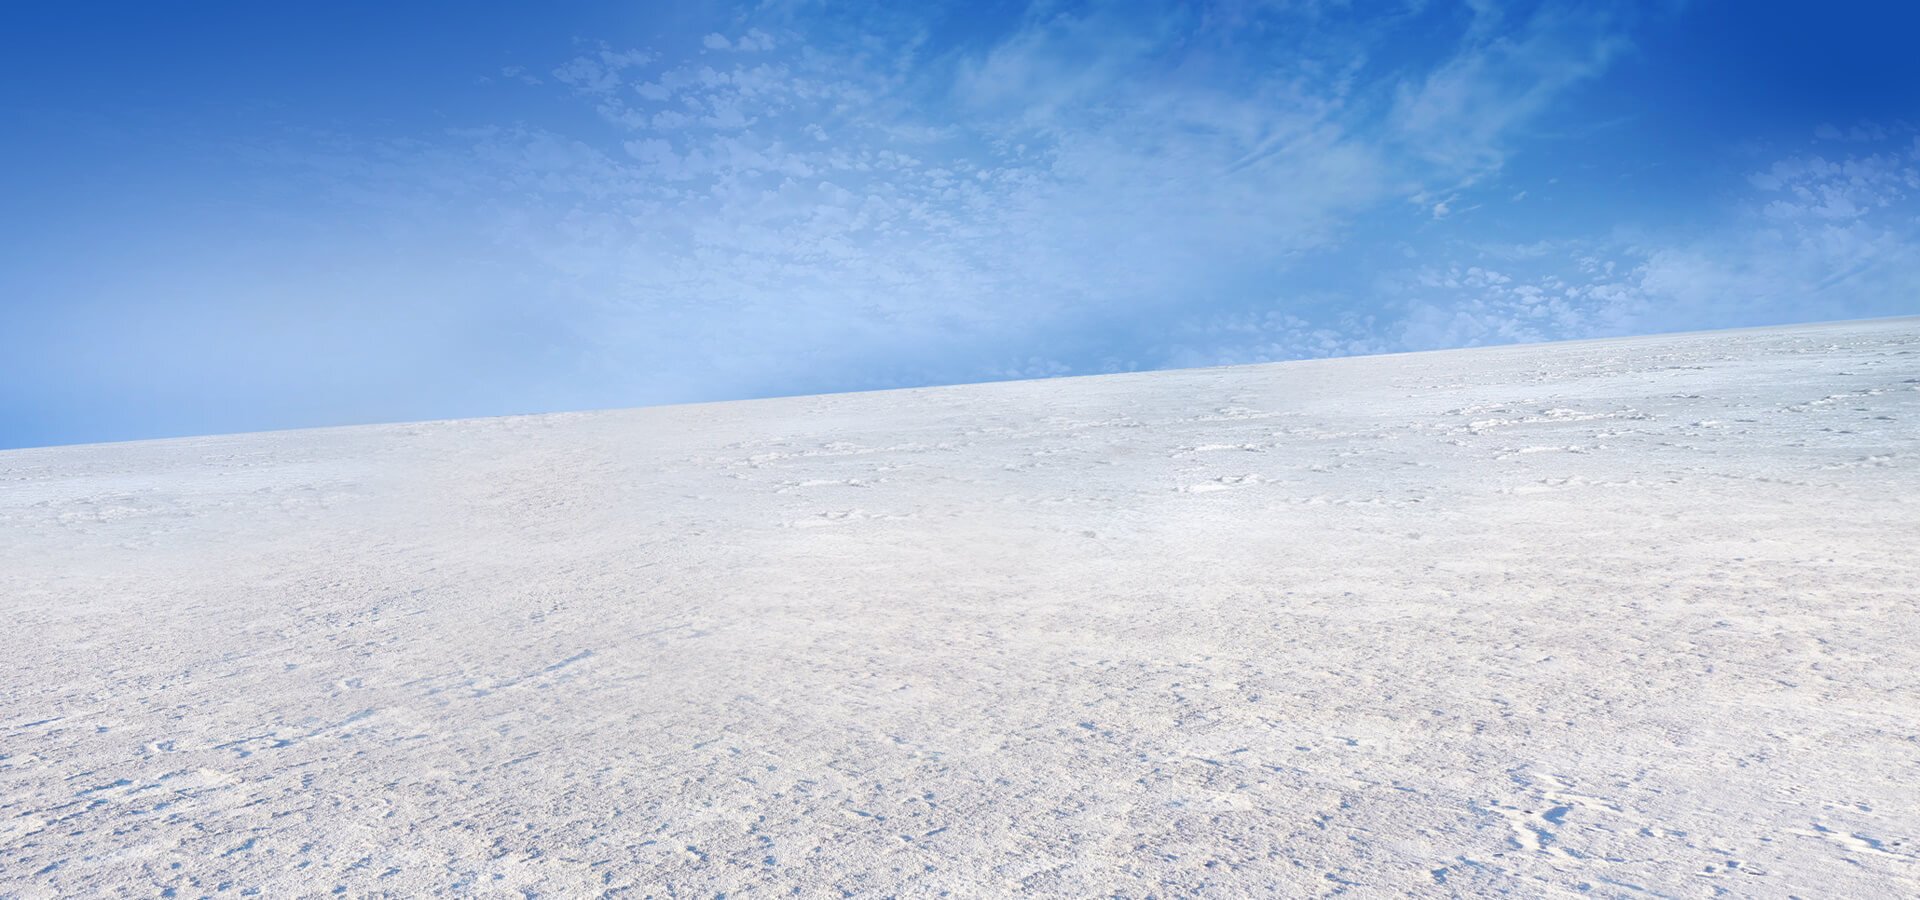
(241, 216)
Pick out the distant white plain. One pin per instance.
(1617, 619)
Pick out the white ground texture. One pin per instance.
(1609, 619)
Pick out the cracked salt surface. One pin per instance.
(1612, 618)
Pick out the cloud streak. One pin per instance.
(791, 203)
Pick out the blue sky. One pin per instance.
(240, 216)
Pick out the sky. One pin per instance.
(223, 217)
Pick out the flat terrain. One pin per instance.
(1616, 619)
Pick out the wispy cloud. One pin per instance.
(794, 197)
(1080, 172)
(754, 41)
(1817, 238)
(1463, 115)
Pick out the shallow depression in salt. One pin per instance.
(1615, 618)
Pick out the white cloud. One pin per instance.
(1819, 239)
(520, 74)
(599, 71)
(1461, 116)
(804, 202)
(754, 41)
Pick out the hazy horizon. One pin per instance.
(1836, 323)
